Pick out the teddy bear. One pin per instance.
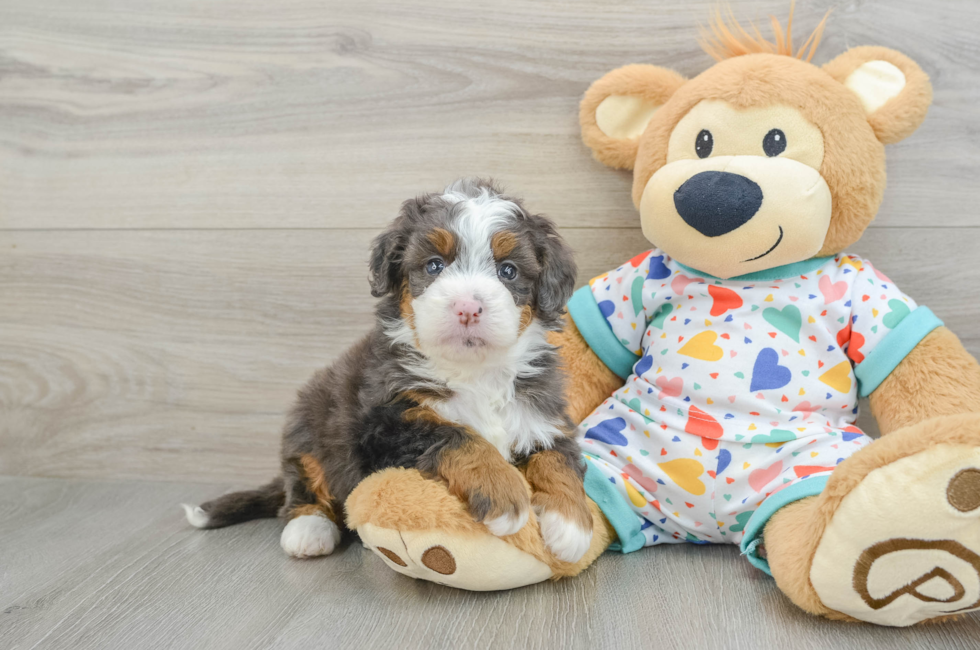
(717, 376)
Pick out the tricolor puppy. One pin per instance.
(456, 379)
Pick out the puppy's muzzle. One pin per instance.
(468, 311)
(715, 203)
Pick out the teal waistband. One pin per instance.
(896, 345)
(597, 333)
(614, 507)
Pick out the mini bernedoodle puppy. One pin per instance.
(456, 379)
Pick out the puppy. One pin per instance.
(456, 379)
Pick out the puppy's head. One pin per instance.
(472, 271)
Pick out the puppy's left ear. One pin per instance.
(387, 256)
(892, 88)
(558, 271)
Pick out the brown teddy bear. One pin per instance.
(717, 375)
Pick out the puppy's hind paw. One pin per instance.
(309, 536)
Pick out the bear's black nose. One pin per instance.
(716, 203)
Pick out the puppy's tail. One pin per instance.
(237, 507)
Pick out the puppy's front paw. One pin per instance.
(309, 536)
(501, 502)
(507, 524)
(567, 539)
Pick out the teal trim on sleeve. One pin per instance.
(775, 273)
(753, 530)
(614, 507)
(896, 345)
(598, 334)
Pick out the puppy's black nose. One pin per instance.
(716, 203)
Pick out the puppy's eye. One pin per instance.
(507, 271)
(434, 266)
(774, 143)
(704, 143)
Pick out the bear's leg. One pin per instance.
(894, 538)
(421, 530)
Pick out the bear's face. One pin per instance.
(761, 161)
(746, 181)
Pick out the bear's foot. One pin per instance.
(900, 539)
(466, 561)
(422, 531)
(906, 541)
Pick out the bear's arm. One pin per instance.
(938, 377)
(588, 381)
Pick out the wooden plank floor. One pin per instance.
(187, 193)
(112, 565)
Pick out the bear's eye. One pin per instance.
(774, 143)
(704, 143)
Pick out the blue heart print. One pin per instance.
(607, 307)
(767, 374)
(724, 459)
(609, 432)
(643, 365)
(658, 270)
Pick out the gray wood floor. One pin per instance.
(187, 192)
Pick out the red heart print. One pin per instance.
(636, 261)
(724, 299)
(701, 424)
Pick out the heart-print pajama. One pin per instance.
(740, 394)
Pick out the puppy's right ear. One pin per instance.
(387, 256)
(616, 109)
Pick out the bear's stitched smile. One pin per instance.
(752, 259)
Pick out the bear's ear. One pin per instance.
(617, 107)
(892, 88)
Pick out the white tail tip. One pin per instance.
(195, 515)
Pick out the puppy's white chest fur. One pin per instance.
(499, 417)
(484, 399)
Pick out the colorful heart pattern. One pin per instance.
(787, 320)
(767, 374)
(702, 346)
(740, 387)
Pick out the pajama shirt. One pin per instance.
(740, 395)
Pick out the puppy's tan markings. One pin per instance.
(557, 488)
(308, 509)
(476, 473)
(527, 317)
(316, 482)
(405, 305)
(503, 244)
(444, 241)
(422, 411)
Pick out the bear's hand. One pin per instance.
(588, 380)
